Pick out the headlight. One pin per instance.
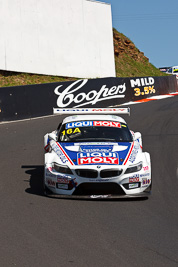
(62, 169)
(135, 168)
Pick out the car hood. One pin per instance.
(104, 153)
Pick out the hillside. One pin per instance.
(129, 61)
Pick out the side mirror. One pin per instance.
(52, 136)
(137, 135)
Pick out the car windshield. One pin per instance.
(94, 131)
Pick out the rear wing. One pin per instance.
(61, 111)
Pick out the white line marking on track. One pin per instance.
(30, 119)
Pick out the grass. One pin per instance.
(10, 78)
(128, 67)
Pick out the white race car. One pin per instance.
(173, 70)
(95, 155)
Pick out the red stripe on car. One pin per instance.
(71, 162)
(130, 151)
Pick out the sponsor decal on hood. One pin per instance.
(97, 153)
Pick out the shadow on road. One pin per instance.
(36, 173)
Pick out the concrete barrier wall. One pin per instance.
(30, 101)
(70, 38)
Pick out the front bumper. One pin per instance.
(143, 195)
(75, 187)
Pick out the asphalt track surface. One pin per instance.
(41, 231)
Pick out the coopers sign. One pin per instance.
(77, 95)
(21, 102)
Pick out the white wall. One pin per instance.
(66, 38)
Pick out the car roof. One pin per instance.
(173, 67)
(93, 117)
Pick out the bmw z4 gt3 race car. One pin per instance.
(95, 155)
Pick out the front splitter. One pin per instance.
(95, 197)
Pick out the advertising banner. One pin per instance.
(39, 100)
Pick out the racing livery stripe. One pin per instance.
(130, 151)
(71, 162)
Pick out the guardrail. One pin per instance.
(21, 102)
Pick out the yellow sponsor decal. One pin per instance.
(71, 131)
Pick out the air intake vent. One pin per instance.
(87, 173)
(98, 189)
(110, 173)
